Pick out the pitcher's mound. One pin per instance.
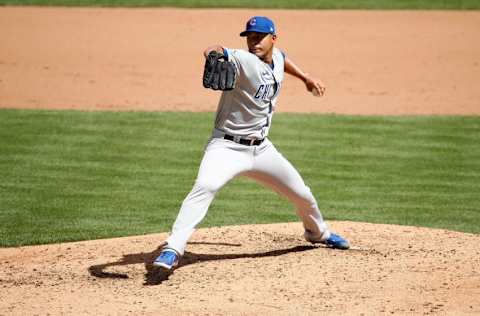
(250, 270)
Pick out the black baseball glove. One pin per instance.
(219, 73)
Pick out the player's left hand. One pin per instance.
(218, 73)
(315, 86)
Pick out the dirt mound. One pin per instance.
(250, 270)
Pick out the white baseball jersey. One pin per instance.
(247, 110)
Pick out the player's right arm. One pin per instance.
(314, 85)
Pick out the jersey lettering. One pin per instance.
(263, 92)
(267, 90)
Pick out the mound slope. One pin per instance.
(250, 270)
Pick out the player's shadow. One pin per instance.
(155, 276)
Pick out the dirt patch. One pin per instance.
(150, 59)
(250, 270)
(372, 62)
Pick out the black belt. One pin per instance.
(244, 141)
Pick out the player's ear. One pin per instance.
(274, 38)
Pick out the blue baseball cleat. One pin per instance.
(337, 242)
(334, 241)
(168, 259)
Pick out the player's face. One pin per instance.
(260, 44)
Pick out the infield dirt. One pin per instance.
(372, 62)
(250, 270)
(150, 59)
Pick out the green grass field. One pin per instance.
(68, 175)
(297, 4)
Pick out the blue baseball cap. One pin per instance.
(259, 24)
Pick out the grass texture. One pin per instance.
(71, 175)
(298, 4)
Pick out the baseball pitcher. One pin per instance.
(250, 82)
